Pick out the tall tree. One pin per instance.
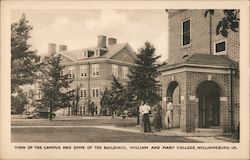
(55, 86)
(105, 101)
(142, 77)
(23, 66)
(117, 92)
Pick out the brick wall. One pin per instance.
(199, 35)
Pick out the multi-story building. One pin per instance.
(92, 69)
(202, 74)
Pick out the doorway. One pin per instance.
(208, 93)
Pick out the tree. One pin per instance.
(229, 21)
(18, 102)
(142, 78)
(117, 98)
(77, 98)
(114, 98)
(23, 66)
(55, 87)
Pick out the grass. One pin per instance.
(87, 134)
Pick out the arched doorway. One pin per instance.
(173, 92)
(208, 93)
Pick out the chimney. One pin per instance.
(102, 41)
(111, 41)
(51, 48)
(62, 47)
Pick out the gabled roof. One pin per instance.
(221, 61)
(112, 50)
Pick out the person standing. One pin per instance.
(141, 116)
(157, 117)
(169, 114)
(145, 109)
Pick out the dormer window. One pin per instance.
(85, 54)
(97, 52)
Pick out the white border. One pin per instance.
(7, 148)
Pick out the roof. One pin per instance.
(76, 55)
(204, 60)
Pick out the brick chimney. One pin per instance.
(101, 41)
(51, 48)
(62, 47)
(111, 41)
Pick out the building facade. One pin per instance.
(202, 74)
(92, 69)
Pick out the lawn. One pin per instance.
(87, 134)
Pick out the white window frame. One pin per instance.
(124, 72)
(95, 92)
(83, 93)
(83, 71)
(221, 52)
(115, 70)
(95, 70)
(183, 33)
(61, 73)
(85, 54)
(97, 53)
(71, 72)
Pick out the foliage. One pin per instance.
(114, 98)
(142, 78)
(229, 21)
(18, 102)
(55, 87)
(91, 108)
(23, 66)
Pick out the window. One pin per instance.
(71, 71)
(186, 32)
(39, 94)
(95, 92)
(95, 70)
(30, 94)
(124, 72)
(83, 93)
(115, 70)
(83, 71)
(220, 47)
(85, 54)
(97, 52)
(61, 73)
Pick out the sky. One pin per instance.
(79, 28)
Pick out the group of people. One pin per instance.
(156, 110)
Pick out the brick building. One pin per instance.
(202, 74)
(92, 68)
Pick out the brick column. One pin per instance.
(225, 114)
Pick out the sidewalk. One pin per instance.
(203, 135)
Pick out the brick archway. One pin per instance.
(222, 88)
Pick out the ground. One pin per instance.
(95, 129)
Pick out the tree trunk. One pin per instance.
(50, 111)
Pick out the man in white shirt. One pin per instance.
(169, 114)
(144, 111)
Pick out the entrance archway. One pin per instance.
(208, 93)
(173, 92)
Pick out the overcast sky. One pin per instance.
(80, 28)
